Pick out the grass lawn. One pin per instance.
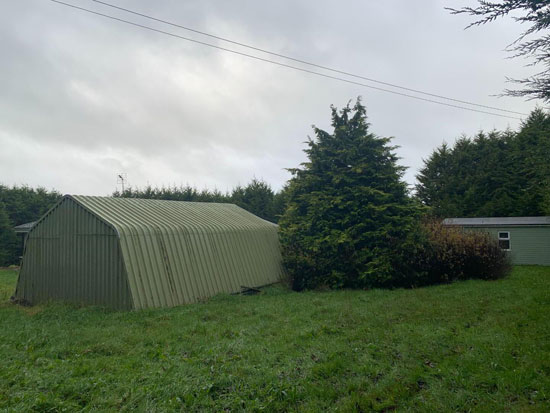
(470, 346)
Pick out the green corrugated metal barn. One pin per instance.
(526, 239)
(140, 253)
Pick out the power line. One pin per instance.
(342, 72)
(279, 63)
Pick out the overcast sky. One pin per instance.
(83, 98)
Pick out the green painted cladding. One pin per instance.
(73, 256)
(530, 245)
(170, 252)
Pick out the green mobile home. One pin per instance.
(526, 239)
(138, 253)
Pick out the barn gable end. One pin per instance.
(72, 255)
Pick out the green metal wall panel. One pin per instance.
(71, 255)
(530, 245)
(180, 252)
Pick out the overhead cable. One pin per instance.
(279, 63)
(305, 62)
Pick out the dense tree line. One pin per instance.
(492, 174)
(19, 205)
(257, 197)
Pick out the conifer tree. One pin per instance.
(8, 239)
(492, 174)
(535, 14)
(348, 208)
(257, 197)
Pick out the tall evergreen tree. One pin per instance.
(492, 174)
(8, 240)
(347, 209)
(24, 204)
(19, 206)
(532, 157)
(257, 197)
(280, 200)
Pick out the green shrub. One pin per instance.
(446, 254)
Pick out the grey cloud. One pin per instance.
(96, 97)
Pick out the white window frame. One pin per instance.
(507, 238)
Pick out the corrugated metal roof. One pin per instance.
(125, 213)
(497, 221)
(179, 252)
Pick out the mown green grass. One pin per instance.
(470, 346)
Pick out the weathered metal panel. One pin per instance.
(71, 255)
(179, 252)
